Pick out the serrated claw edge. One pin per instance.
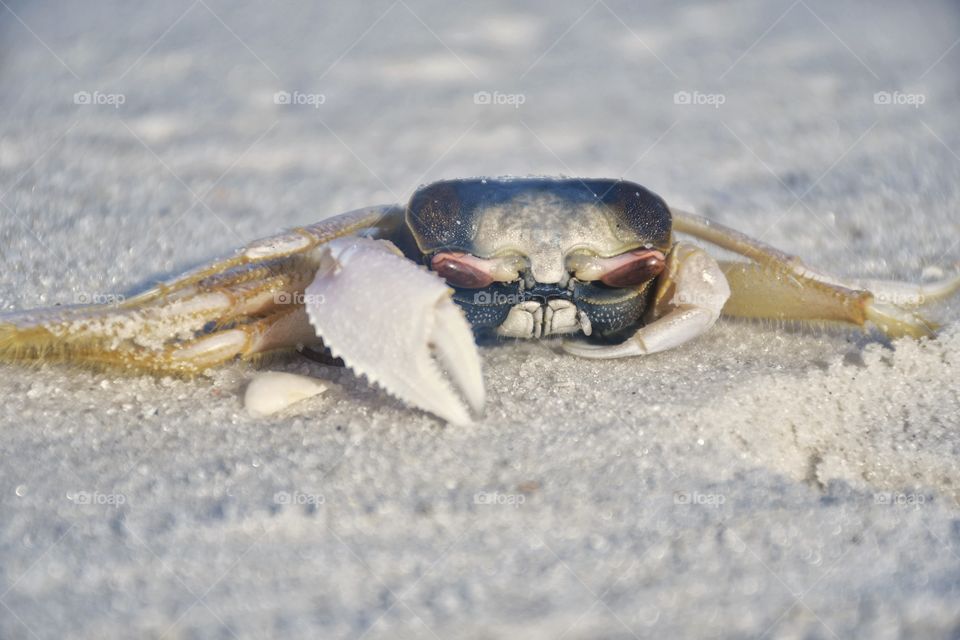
(394, 323)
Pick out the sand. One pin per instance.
(763, 481)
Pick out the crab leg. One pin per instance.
(278, 331)
(779, 286)
(293, 242)
(246, 300)
(172, 335)
(761, 291)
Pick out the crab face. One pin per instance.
(533, 257)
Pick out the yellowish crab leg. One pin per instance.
(191, 330)
(296, 241)
(760, 291)
(247, 299)
(191, 357)
(780, 286)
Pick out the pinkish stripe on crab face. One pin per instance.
(463, 270)
(629, 269)
(632, 268)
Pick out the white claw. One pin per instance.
(627, 349)
(450, 340)
(274, 391)
(395, 323)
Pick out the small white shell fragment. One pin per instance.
(932, 272)
(274, 391)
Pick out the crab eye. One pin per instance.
(633, 268)
(625, 270)
(462, 269)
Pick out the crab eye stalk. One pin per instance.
(462, 270)
(625, 270)
(634, 268)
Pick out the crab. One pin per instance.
(404, 294)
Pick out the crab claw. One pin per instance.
(395, 323)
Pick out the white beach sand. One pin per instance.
(763, 481)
